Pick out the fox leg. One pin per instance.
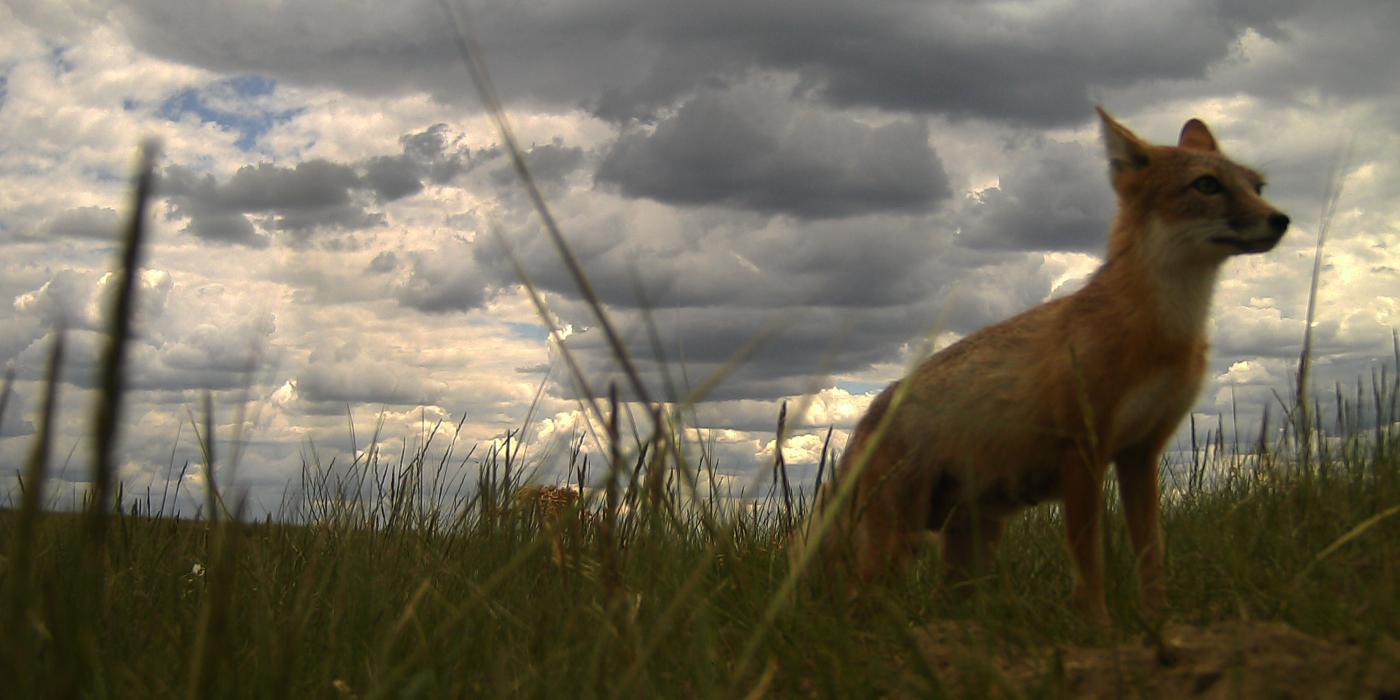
(1082, 481)
(969, 544)
(1137, 485)
(880, 542)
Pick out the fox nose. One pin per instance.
(1278, 221)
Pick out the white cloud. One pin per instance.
(800, 449)
(420, 307)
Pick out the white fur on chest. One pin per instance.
(1152, 406)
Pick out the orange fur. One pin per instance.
(555, 510)
(1036, 407)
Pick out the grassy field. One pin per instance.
(389, 596)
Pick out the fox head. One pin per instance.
(1187, 202)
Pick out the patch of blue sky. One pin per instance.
(103, 175)
(234, 105)
(59, 60)
(857, 388)
(251, 85)
(528, 331)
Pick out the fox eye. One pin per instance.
(1207, 184)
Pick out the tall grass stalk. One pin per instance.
(112, 379)
(1336, 178)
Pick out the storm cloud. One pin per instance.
(750, 149)
(443, 280)
(313, 196)
(1052, 196)
(625, 59)
(99, 223)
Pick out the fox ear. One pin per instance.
(1126, 152)
(1196, 137)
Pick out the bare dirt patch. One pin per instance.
(1236, 659)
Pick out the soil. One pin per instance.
(1237, 659)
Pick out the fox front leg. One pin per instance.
(1083, 493)
(969, 545)
(1137, 486)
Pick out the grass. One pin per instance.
(340, 599)
(408, 577)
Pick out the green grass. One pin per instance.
(341, 605)
(390, 594)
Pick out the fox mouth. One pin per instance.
(1273, 228)
(1249, 245)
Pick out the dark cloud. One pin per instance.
(98, 223)
(384, 262)
(1267, 17)
(340, 372)
(436, 153)
(62, 300)
(840, 295)
(1020, 63)
(714, 258)
(309, 185)
(750, 149)
(552, 162)
(226, 347)
(233, 229)
(17, 334)
(806, 343)
(548, 163)
(443, 281)
(1053, 196)
(1339, 50)
(312, 196)
(178, 343)
(343, 217)
(431, 155)
(786, 351)
(15, 422)
(393, 177)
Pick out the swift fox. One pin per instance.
(1036, 407)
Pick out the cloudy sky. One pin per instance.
(843, 179)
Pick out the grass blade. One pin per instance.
(112, 381)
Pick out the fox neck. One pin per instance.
(1160, 278)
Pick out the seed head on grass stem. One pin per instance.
(30, 503)
(112, 382)
(1336, 177)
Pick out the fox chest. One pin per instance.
(1152, 408)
